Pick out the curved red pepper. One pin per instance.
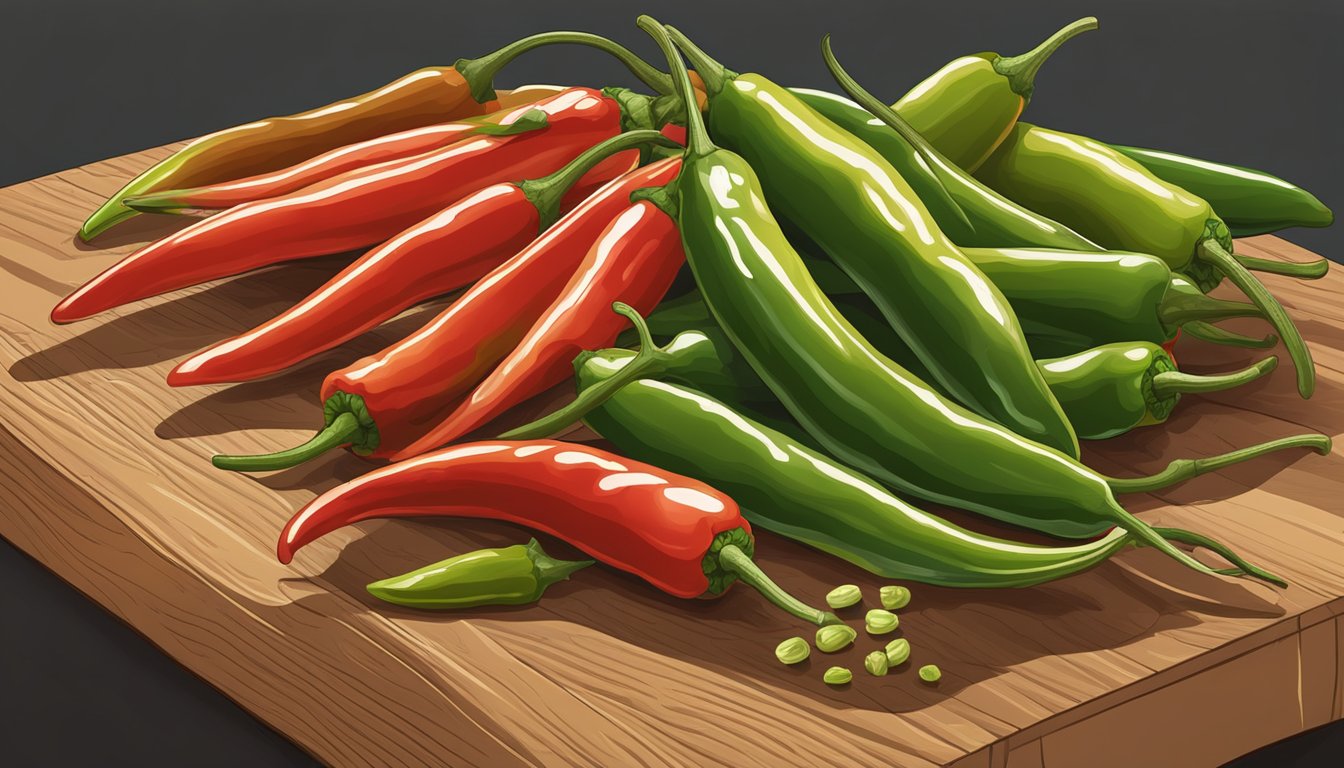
(353, 210)
(634, 261)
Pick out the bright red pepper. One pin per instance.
(678, 534)
(634, 261)
(353, 210)
(393, 146)
(379, 405)
(440, 254)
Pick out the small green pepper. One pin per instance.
(514, 575)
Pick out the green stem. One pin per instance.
(879, 109)
(1021, 70)
(1177, 309)
(550, 569)
(337, 433)
(1146, 536)
(713, 74)
(1215, 335)
(1303, 270)
(1215, 255)
(734, 559)
(547, 192)
(1243, 568)
(1181, 470)
(480, 72)
(1172, 383)
(650, 360)
(698, 143)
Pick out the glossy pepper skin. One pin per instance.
(392, 146)
(968, 107)
(862, 407)
(423, 97)
(678, 534)
(849, 200)
(395, 396)
(450, 249)
(353, 210)
(1251, 202)
(516, 575)
(1121, 205)
(787, 487)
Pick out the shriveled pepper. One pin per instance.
(379, 405)
(423, 97)
(678, 534)
(1118, 203)
(356, 209)
(516, 575)
(849, 200)
(450, 249)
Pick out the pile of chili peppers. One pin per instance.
(841, 308)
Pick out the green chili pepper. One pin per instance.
(999, 87)
(786, 486)
(860, 211)
(1118, 203)
(514, 575)
(1251, 202)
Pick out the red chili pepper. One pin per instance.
(393, 146)
(634, 261)
(678, 534)
(446, 251)
(353, 210)
(381, 404)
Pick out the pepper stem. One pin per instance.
(1303, 270)
(1243, 568)
(550, 569)
(698, 143)
(1216, 256)
(1172, 383)
(1021, 70)
(1214, 335)
(650, 360)
(1176, 309)
(733, 559)
(713, 74)
(337, 433)
(480, 72)
(1181, 470)
(941, 166)
(547, 192)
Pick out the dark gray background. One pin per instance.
(1252, 83)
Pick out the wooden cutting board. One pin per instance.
(1137, 662)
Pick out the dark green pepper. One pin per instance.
(849, 200)
(1118, 203)
(1251, 202)
(515, 575)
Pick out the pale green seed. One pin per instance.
(837, 676)
(793, 651)
(898, 652)
(930, 673)
(844, 596)
(894, 598)
(880, 622)
(835, 637)
(876, 663)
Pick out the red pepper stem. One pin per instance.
(650, 360)
(1243, 568)
(1213, 253)
(480, 72)
(1214, 335)
(1171, 383)
(547, 192)
(337, 433)
(1303, 270)
(698, 143)
(1181, 470)
(1021, 70)
(1176, 309)
(733, 559)
(941, 166)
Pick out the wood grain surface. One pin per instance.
(1136, 662)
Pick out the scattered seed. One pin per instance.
(898, 652)
(844, 596)
(876, 663)
(930, 673)
(880, 621)
(837, 676)
(894, 598)
(793, 651)
(835, 637)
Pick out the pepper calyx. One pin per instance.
(1020, 71)
(720, 577)
(363, 442)
(1159, 405)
